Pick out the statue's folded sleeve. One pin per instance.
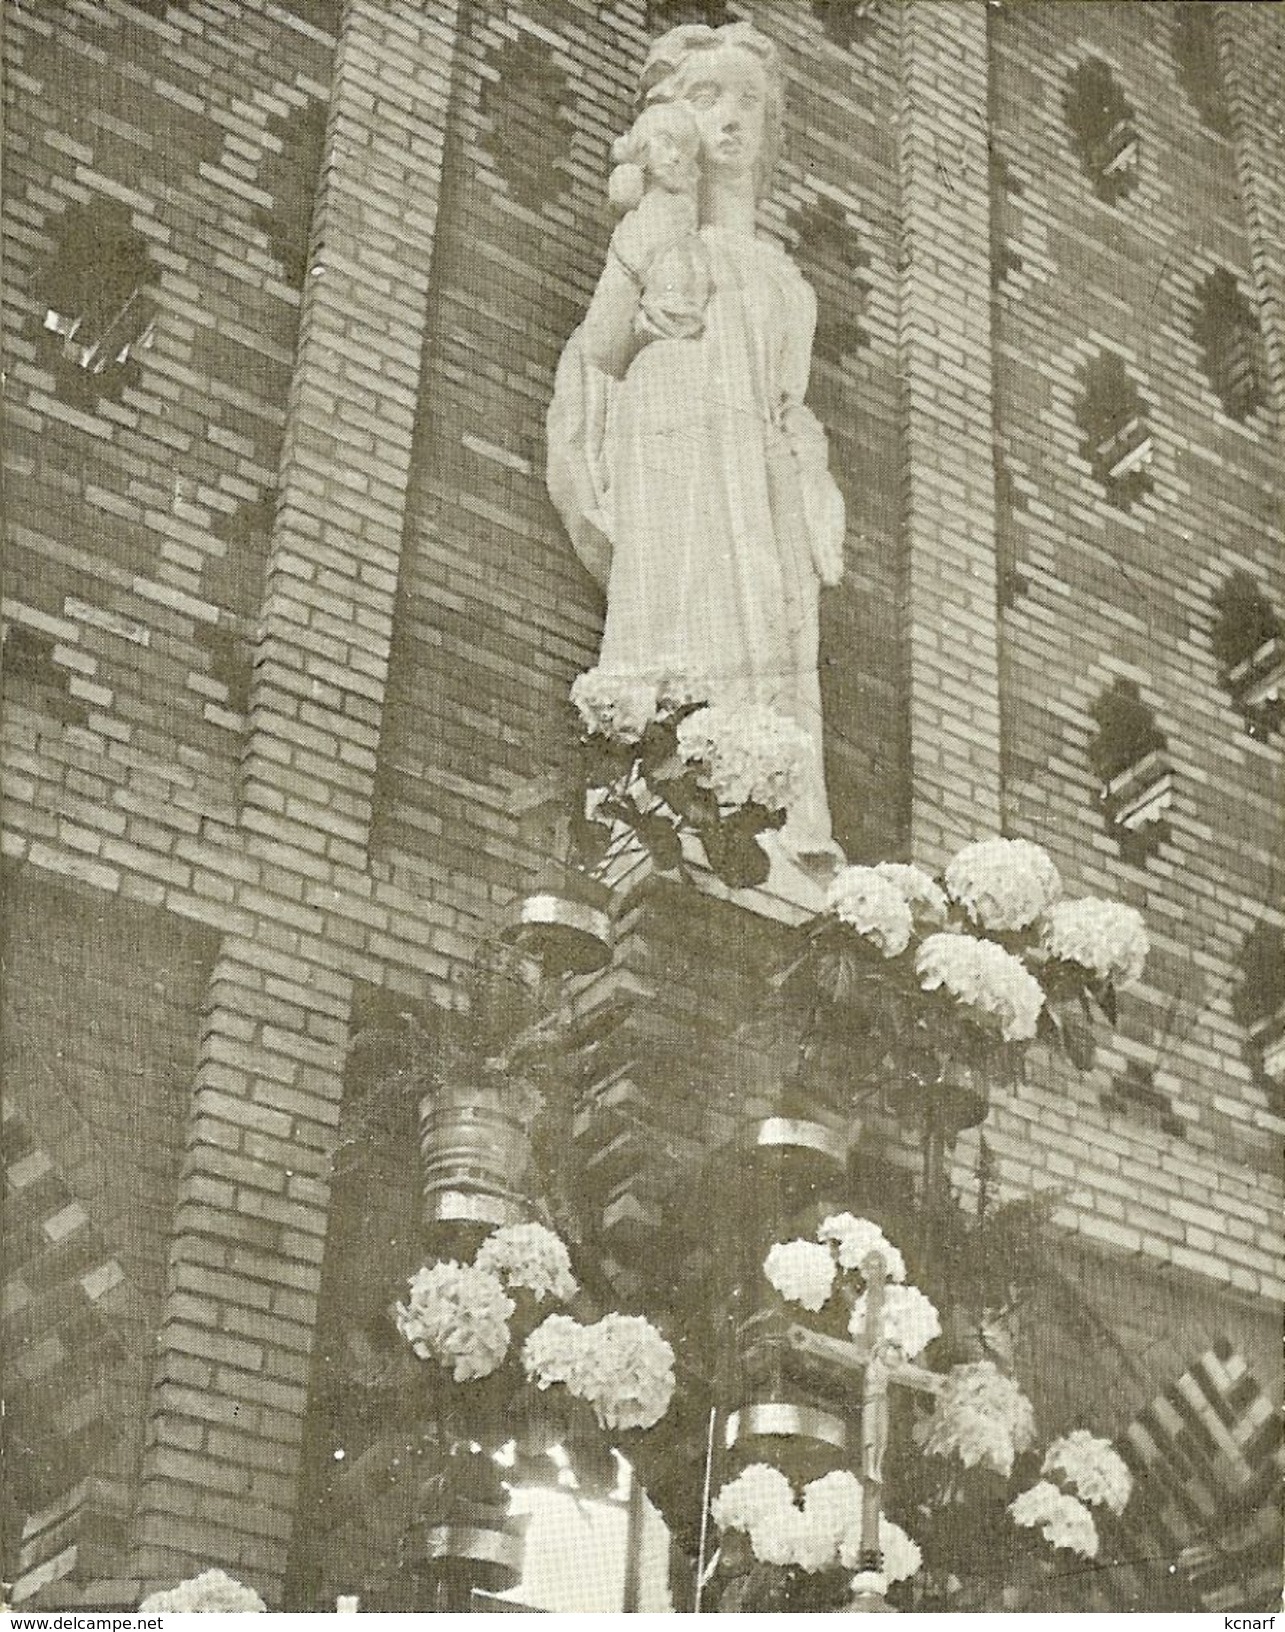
(578, 474)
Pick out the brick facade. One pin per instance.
(290, 619)
(1101, 592)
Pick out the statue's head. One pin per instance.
(664, 147)
(730, 77)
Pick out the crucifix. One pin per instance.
(881, 1364)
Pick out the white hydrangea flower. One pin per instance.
(458, 1316)
(627, 1372)
(1092, 1467)
(909, 1319)
(614, 705)
(1062, 1520)
(790, 1535)
(757, 1493)
(832, 1505)
(749, 753)
(981, 1416)
(551, 1353)
(901, 1556)
(210, 1593)
(856, 1238)
(1106, 937)
(823, 1532)
(788, 1539)
(872, 905)
(984, 976)
(620, 1365)
(801, 1271)
(920, 891)
(529, 1256)
(1003, 883)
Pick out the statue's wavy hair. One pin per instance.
(675, 58)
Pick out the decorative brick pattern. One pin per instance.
(1252, 60)
(293, 623)
(99, 1052)
(1125, 598)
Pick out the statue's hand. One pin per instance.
(823, 508)
(661, 219)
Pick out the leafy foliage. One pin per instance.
(648, 788)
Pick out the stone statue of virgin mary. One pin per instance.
(690, 476)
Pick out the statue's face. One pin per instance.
(727, 91)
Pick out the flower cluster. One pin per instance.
(873, 905)
(621, 1366)
(1062, 1520)
(805, 1273)
(1003, 884)
(909, 1319)
(531, 1257)
(919, 890)
(748, 753)
(210, 1593)
(984, 976)
(856, 1239)
(823, 1532)
(1105, 937)
(459, 1316)
(756, 1495)
(552, 1351)
(801, 1271)
(998, 939)
(1094, 1471)
(614, 705)
(980, 1416)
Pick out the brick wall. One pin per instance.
(290, 618)
(101, 1007)
(256, 833)
(152, 166)
(1097, 591)
(950, 607)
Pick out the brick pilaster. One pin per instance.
(221, 1468)
(322, 657)
(948, 483)
(230, 1387)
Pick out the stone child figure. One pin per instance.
(658, 174)
(690, 476)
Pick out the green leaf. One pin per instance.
(590, 841)
(661, 840)
(604, 762)
(765, 818)
(659, 743)
(1075, 1034)
(665, 771)
(736, 855)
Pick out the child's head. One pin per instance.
(662, 148)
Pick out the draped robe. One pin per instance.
(696, 491)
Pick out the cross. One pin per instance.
(880, 1364)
